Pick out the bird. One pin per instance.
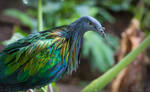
(44, 57)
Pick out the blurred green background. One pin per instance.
(19, 18)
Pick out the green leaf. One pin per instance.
(147, 2)
(55, 86)
(16, 36)
(106, 15)
(43, 89)
(146, 20)
(102, 54)
(23, 17)
(117, 5)
(51, 7)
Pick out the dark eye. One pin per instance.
(90, 23)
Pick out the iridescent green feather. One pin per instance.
(45, 56)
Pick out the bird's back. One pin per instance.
(36, 60)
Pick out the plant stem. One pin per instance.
(40, 20)
(99, 83)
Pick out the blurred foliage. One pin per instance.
(117, 5)
(56, 13)
(146, 21)
(26, 20)
(62, 12)
(102, 53)
(17, 35)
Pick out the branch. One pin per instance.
(99, 83)
(40, 20)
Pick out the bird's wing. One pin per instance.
(28, 56)
(11, 54)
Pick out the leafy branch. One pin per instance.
(99, 83)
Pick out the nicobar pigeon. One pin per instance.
(44, 57)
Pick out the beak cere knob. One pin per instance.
(101, 32)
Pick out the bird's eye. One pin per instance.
(90, 23)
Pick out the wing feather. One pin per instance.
(42, 56)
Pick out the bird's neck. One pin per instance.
(76, 29)
(76, 39)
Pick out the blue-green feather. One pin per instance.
(39, 58)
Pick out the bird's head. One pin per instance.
(88, 23)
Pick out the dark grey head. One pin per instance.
(88, 23)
